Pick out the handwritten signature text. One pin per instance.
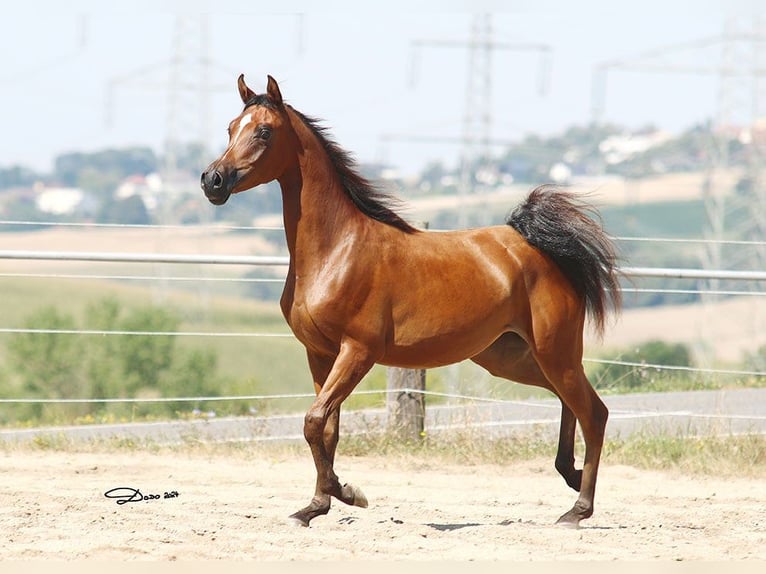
(125, 494)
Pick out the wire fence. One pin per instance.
(274, 261)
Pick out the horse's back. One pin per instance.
(495, 254)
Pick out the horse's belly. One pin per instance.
(442, 349)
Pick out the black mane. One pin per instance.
(260, 100)
(369, 199)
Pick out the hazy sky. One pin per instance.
(347, 63)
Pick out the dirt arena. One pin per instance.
(53, 506)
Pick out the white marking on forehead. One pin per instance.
(246, 119)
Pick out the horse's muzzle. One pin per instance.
(215, 186)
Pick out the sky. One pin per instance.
(75, 76)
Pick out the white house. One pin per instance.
(59, 200)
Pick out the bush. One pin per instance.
(47, 363)
(81, 366)
(645, 377)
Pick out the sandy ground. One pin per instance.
(52, 506)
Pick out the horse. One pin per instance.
(366, 287)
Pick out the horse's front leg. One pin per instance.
(321, 429)
(320, 503)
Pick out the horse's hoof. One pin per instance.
(568, 524)
(569, 520)
(359, 499)
(295, 520)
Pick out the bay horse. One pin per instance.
(366, 287)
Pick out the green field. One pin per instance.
(250, 365)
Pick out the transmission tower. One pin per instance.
(476, 136)
(188, 79)
(477, 113)
(744, 100)
(187, 82)
(742, 104)
(185, 79)
(738, 116)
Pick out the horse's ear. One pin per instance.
(272, 89)
(244, 92)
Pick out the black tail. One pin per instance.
(560, 225)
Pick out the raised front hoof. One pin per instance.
(572, 476)
(354, 496)
(574, 480)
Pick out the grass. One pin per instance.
(720, 456)
(729, 456)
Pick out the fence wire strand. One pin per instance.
(98, 332)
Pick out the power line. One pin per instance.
(738, 115)
(61, 58)
(477, 117)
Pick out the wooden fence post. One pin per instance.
(406, 403)
(406, 400)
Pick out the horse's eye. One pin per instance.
(263, 133)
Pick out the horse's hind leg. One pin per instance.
(592, 414)
(566, 373)
(565, 461)
(510, 357)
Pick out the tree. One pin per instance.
(71, 365)
(628, 377)
(93, 171)
(17, 176)
(47, 362)
(101, 369)
(191, 377)
(130, 210)
(144, 358)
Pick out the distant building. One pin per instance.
(59, 200)
(619, 148)
(153, 190)
(146, 187)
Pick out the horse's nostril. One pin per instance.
(217, 180)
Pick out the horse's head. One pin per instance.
(258, 149)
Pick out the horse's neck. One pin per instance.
(318, 214)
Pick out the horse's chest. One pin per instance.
(316, 335)
(322, 313)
